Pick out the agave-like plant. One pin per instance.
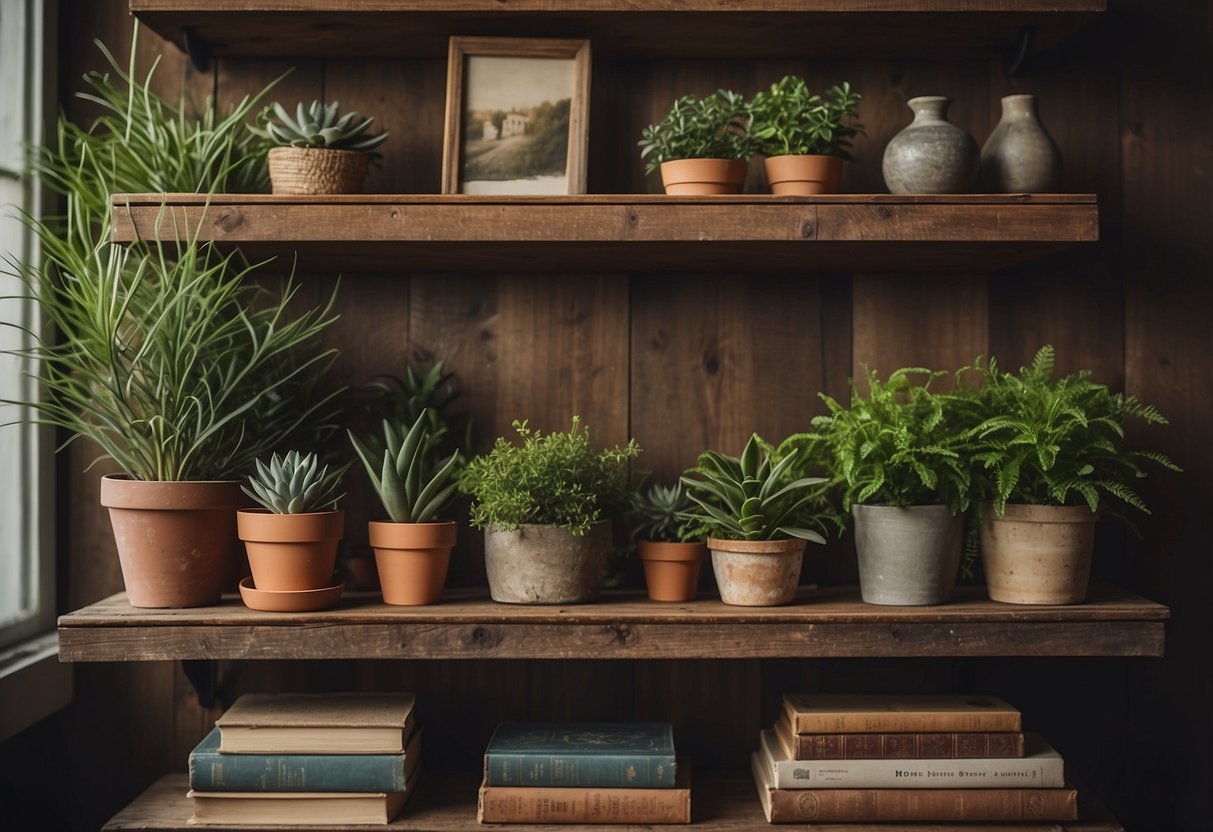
(320, 125)
(295, 484)
(412, 482)
(661, 513)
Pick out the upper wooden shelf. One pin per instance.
(618, 28)
(623, 233)
(828, 622)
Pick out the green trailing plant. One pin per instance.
(320, 125)
(789, 119)
(713, 127)
(660, 513)
(554, 478)
(413, 481)
(295, 483)
(754, 497)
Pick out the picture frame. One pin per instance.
(506, 106)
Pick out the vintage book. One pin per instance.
(855, 805)
(317, 723)
(634, 755)
(1041, 769)
(828, 713)
(549, 804)
(296, 808)
(211, 771)
(923, 746)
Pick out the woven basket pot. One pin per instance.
(316, 170)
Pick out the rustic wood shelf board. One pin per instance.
(720, 802)
(830, 622)
(630, 232)
(618, 28)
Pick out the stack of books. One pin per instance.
(584, 773)
(307, 760)
(838, 758)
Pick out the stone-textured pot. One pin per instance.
(290, 552)
(804, 175)
(540, 564)
(697, 177)
(671, 570)
(1020, 155)
(176, 540)
(412, 560)
(316, 170)
(1038, 554)
(907, 556)
(757, 573)
(931, 155)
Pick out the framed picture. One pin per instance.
(517, 115)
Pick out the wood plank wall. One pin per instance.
(684, 362)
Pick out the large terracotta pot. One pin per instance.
(316, 170)
(541, 564)
(698, 177)
(804, 175)
(412, 560)
(176, 540)
(908, 556)
(291, 552)
(757, 573)
(671, 570)
(1038, 554)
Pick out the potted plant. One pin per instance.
(1050, 453)
(757, 513)
(900, 462)
(702, 145)
(670, 546)
(805, 136)
(415, 484)
(320, 150)
(545, 505)
(292, 540)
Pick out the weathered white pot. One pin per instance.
(757, 573)
(908, 556)
(1038, 554)
(538, 564)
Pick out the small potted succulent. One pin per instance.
(320, 150)
(702, 146)
(805, 136)
(292, 540)
(669, 543)
(758, 513)
(546, 506)
(415, 484)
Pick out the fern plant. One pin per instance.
(295, 483)
(413, 482)
(713, 127)
(789, 119)
(661, 513)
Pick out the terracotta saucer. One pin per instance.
(304, 600)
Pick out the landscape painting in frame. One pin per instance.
(516, 116)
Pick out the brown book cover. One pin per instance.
(828, 713)
(921, 746)
(943, 805)
(550, 804)
(317, 723)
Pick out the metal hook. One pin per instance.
(1016, 59)
(198, 50)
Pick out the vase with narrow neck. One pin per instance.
(931, 155)
(1020, 155)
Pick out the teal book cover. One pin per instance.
(606, 755)
(211, 771)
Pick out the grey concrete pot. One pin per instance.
(538, 564)
(907, 556)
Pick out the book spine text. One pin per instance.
(797, 806)
(213, 772)
(574, 805)
(925, 746)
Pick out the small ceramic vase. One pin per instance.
(931, 155)
(1020, 156)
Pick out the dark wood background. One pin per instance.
(685, 362)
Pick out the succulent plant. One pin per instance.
(320, 125)
(412, 482)
(294, 484)
(660, 513)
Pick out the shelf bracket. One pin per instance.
(203, 675)
(1018, 57)
(199, 51)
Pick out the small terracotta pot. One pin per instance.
(804, 175)
(290, 552)
(412, 560)
(697, 177)
(757, 573)
(316, 170)
(671, 570)
(1038, 554)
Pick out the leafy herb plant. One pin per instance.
(789, 119)
(413, 481)
(295, 483)
(713, 127)
(661, 512)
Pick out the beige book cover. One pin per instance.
(317, 723)
(825, 713)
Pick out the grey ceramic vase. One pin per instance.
(931, 155)
(907, 556)
(1020, 156)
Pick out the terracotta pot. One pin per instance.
(697, 177)
(316, 170)
(540, 564)
(1038, 554)
(176, 540)
(757, 573)
(804, 175)
(908, 556)
(290, 552)
(671, 570)
(412, 560)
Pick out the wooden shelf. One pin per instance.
(829, 622)
(623, 233)
(720, 802)
(619, 28)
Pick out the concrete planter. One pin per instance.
(540, 564)
(907, 556)
(1038, 554)
(757, 573)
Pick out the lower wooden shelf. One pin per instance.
(720, 802)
